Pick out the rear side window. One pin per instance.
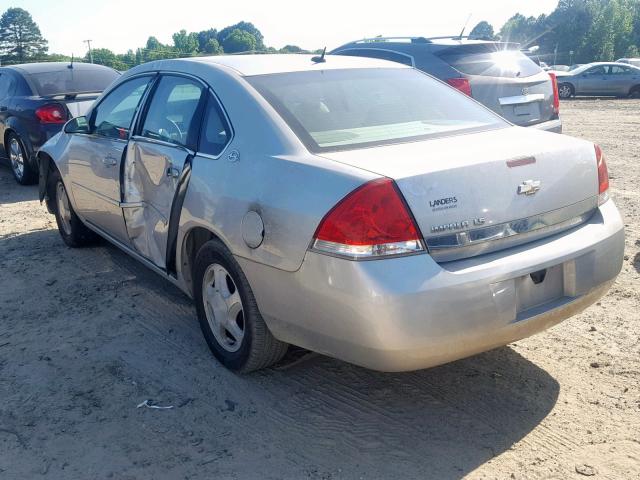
(73, 80)
(113, 116)
(7, 85)
(344, 109)
(215, 131)
(173, 114)
(380, 54)
(488, 60)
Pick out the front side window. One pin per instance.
(353, 108)
(601, 70)
(113, 116)
(617, 70)
(215, 131)
(173, 114)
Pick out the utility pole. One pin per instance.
(88, 42)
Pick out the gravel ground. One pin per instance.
(88, 335)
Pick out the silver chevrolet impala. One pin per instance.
(354, 207)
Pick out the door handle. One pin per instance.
(109, 161)
(173, 172)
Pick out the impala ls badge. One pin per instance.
(525, 91)
(529, 187)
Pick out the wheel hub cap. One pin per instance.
(16, 157)
(223, 307)
(64, 210)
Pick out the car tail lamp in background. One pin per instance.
(556, 94)
(373, 221)
(52, 113)
(461, 84)
(603, 176)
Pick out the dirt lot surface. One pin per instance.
(88, 335)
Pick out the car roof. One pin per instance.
(247, 65)
(45, 67)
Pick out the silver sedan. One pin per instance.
(354, 207)
(600, 79)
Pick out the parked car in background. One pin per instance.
(36, 100)
(631, 61)
(496, 74)
(351, 206)
(601, 79)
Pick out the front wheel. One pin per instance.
(566, 90)
(635, 92)
(228, 314)
(73, 232)
(21, 168)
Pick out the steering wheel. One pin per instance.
(176, 134)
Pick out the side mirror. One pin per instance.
(77, 125)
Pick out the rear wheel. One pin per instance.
(228, 314)
(635, 92)
(566, 90)
(73, 232)
(21, 168)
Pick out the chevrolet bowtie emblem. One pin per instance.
(529, 187)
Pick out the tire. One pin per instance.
(22, 170)
(228, 314)
(635, 92)
(566, 90)
(73, 232)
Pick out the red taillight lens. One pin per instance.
(556, 94)
(372, 221)
(53, 113)
(603, 176)
(461, 84)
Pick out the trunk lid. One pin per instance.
(464, 190)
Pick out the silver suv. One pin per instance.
(496, 74)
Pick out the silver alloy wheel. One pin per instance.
(64, 210)
(223, 307)
(564, 91)
(16, 157)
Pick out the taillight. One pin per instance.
(372, 221)
(556, 94)
(461, 84)
(52, 113)
(603, 176)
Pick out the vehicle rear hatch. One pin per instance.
(504, 79)
(487, 191)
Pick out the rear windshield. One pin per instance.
(354, 108)
(72, 80)
(489, 60)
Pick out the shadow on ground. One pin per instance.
(113, 333)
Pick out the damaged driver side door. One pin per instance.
(158, 163)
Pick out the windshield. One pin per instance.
(353, 108)
(580, 69)
(476, 60)
(73, 80)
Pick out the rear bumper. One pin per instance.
(410, 313)
(554, 126)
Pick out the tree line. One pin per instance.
(577, 31)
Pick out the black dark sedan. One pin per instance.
(36, 100)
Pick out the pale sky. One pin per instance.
(123, 24)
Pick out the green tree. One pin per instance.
(245, 27)
(185, 43)
(483, 30)
(213, 47)
(632, 52)
(205, 37)
(101, 56)
(292, 49)
(239, 41)
(20, 37)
